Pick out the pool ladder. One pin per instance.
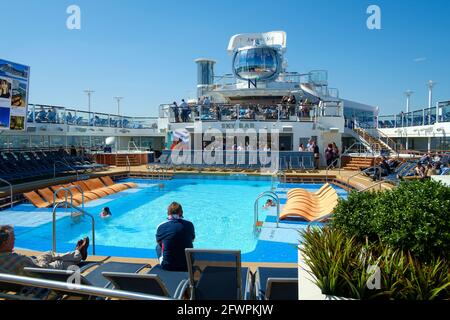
(69, 195)
(258, 224)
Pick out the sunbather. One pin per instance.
(173, 237)
(15, 263)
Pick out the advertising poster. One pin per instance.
(14, 83)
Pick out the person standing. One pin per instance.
(173, 237)
(176, 112)
(184, 111)
(335, 155)
(329, 155)
(316, 155)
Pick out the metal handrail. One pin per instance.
(380, 183)
(10, 189)
(77, 288)
(272, 195)
(56, 206)
(69, 190)
(359, 172)
(70, 167)
(128, 166)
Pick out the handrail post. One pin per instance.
(10, 190)
(56, 206)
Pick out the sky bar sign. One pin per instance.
(14, 85)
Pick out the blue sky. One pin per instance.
(145, 50)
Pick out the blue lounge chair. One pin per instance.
(276, 283)
(216, 275)
(157, 281)
(93, 278)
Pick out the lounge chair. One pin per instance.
(109, 182)
(310, 206)
(98, 185)
(36, 200)
(48, 195)
(76, 196)
(276, 283)
(93, 278)
(87, 187)
(322, 192)
(216, 275)
(86, 192)
(157, 281)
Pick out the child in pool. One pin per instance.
(106, 213)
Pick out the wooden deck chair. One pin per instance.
(36, 200)
(115, 186)
(98, 184)
(86, 191)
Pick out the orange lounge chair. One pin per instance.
(47, 194)
(36, 200)
(76, 195)
(86, 191)
(322, 191)
(98, 185)
(88, 187)
(109, 182)
(115, 187)
(310, 206)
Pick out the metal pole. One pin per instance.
(118, 99)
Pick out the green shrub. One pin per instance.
(413, 217)
(339, 265)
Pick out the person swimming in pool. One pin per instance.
(269, 203)
(106, 213)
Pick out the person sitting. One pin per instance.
(430, 171)
(420, 170)
(173, 237)
(269, 203)
(445, 171)
(15, 263)
(106, 213)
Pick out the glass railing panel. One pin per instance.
(82, 118)
(444, 112)
(100, 120)
(418, 118)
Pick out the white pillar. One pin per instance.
(429, 144)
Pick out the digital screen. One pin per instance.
(14, 82)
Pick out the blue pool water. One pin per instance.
(221, 210)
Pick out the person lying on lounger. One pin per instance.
(173, 236)
(15, 263)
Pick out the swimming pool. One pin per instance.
(221, 209)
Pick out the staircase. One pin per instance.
(376, 141)
(358, 163)
(121, 160)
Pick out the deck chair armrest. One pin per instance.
(270, 281)
(181, 289)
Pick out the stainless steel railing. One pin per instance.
(10, 190)
(274, 197)
(76, 288)
(56, 206)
